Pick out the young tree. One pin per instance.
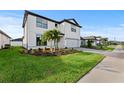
(47, 36)
(51, 35)
(56, 37)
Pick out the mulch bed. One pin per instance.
(47, 52)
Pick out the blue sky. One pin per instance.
(101, 23)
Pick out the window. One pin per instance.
(73, 28)
(42, 23)
(39, 41)
(56, 25)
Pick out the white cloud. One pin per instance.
(122, 25)
(11, 25)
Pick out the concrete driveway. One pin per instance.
(110, 70)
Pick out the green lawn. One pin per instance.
(16, 67)
(123, 46)
(107, 48)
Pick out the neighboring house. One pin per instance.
(16, 42)
(84, 40)
(4, 39)
(35, 25)
(96, 40)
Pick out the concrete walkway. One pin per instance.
(110, 70)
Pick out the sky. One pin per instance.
(106, 23)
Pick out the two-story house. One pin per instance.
(35, 25)
(4, 39)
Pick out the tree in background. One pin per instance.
(89, 43)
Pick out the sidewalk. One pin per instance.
(110, 70)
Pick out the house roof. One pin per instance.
(89, 38)
(4, 34)
(17, 39)
(94, 38)
(104, 38)
(71, 21)
(59, 22)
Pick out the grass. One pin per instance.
(107, 48)
(123, 46)
(16, 67)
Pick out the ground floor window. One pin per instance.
(39, 41)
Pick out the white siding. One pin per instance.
(33, 30)
(4, 40)
(72, 39)
(25, 38)
(66, 28)
(16, 43)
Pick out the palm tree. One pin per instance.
(47, 36)
(51, 35)
(56, 37)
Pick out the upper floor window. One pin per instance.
(73, 28)
(56, 25)
(42, 23)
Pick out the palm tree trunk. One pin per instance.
(54, 45)
(57, 43)
(51, 46)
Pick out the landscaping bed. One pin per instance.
(24, 68)
(48, 52)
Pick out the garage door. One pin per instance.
(72, 43)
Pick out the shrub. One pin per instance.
(7, 46)
(89, 43)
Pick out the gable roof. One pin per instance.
(4, 34)
(59, 22)
(72, 20)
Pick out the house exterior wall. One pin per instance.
(25, 38)
(94, 43)
(70, 39)
(16, 43)
(4, 40)
(33, 30)
(83, 42)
